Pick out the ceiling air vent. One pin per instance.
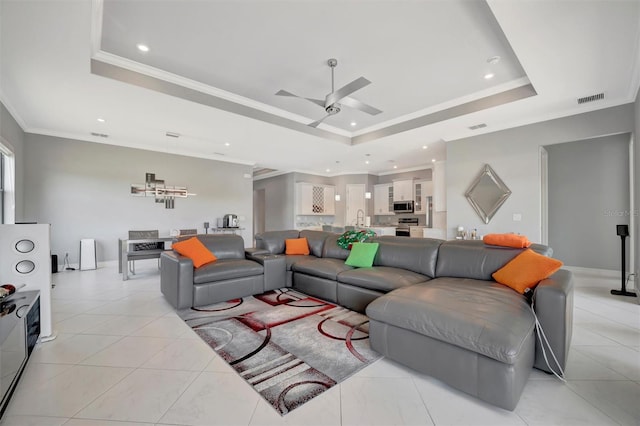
(172, 135)
(262, 171)
(100, 135)
(590, 98)
(478, 126)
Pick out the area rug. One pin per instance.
(289, 346)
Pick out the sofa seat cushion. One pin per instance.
(327, 268)
(225, 269)
(481, 316)
(381, 278)
(290, 259)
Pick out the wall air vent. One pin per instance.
(590, 98)
(100, 135)
(478, 126)
(218, 153)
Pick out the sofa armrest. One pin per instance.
(253, 251)
(553, 303)
(176, 279)
(275, 270)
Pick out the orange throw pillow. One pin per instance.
(296, 246)
(194, 250)
(507, 240)
(526, 270)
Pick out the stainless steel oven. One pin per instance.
(403, 226)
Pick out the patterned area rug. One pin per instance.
(289, 346)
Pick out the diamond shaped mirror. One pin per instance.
(487, 193)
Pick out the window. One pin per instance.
(7, 185)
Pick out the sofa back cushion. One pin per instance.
(223, 246)
(332, 249)
(474, 259)
(414, 254)
(274, 240)
(315, 240)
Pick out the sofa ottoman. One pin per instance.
(475, 335)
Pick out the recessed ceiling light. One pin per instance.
(327, 170)
(366, 162)
(142, 47)
(489, 76)
(395, 166)
(353, 124)
(227, 144)
(493, 60)
(433, 160)
(424, 147)
(101, 120)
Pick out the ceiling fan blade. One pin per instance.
(354, 103)
(316, 123)
(336, 96)
(318, 102)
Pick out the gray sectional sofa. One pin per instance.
(432, 305)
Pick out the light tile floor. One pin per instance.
(122, 357)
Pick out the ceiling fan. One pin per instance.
(330, 103)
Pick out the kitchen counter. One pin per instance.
(383, 230)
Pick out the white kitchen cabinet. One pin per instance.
(422, 190)
(439, 187)
(315, 199)
(403, 190)
(416, 231)
(437, 233)
(383, 199)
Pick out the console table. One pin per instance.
(125, 252)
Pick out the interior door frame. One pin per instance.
(349, 194)
(544, 202)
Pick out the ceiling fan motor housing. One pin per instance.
(333, 109)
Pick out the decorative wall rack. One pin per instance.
(162, 193)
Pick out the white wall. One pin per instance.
(13, 135)
(637, 186)
(279, 201)
(83, 190)
(515, 157)
(588, 197)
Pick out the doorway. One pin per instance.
(586, 191)
(356, 205)
(259, 216)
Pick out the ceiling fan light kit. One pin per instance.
(330, 103)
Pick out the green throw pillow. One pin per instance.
(362, 255)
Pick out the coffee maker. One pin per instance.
(230, 221)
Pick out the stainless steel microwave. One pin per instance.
(403, 206)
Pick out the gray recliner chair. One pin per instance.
(231, 276)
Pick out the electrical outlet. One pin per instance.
(517, 217)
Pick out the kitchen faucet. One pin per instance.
(358, 217)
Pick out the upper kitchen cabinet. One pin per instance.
(383, 199)
(439, 187)
(422, 190)
(403, 190)
(315, 199)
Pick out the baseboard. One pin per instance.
(594, 272)
(605, 278)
